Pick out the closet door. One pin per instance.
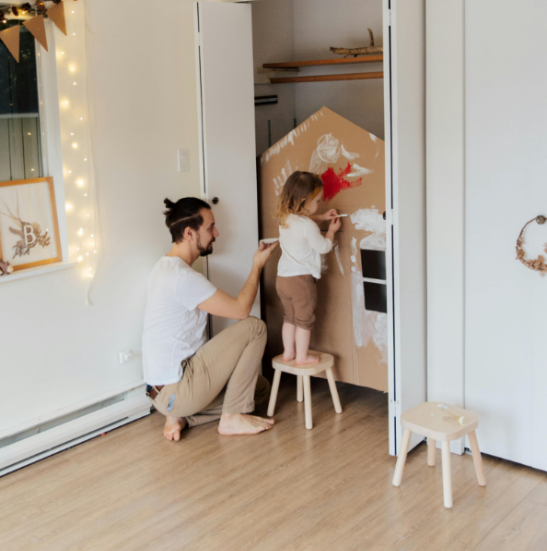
(505, 303)
(224, 61)
(404, 82)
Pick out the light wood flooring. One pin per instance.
(289, 489)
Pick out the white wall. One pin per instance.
(57, 352)
(320, 24)
(273, 42)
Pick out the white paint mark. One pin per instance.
(377, 153)
(372, 221)
(349, 156)
(372, 137)
(290, 138)
(327, 152)
(380, 335)
(358, 299)
(338, 259)
(367, 325)
(358, 171)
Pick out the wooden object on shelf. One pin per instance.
(364, 50)
(428, 419)
(303, 374)
(324, 78)
(321, 62)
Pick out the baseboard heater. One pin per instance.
(63, 429)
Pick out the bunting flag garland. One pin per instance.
(37, 28)
(57, 15)
(10, 37)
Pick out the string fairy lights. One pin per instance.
(80, 206)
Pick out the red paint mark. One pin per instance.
(334, 183)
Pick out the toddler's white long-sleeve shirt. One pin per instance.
(302, 245)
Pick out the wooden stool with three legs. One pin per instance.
(303, 389)
(438, 421)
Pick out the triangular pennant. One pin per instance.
(38, 30)
(10, 37)
(57, 15)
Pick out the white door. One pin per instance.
(224, 58)
(505, 303)
(404, 96)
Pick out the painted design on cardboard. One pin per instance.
(338, 259)
(367, 325)
(334, 183)
(279, 181)
(372, 221)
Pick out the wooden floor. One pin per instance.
(288, 489)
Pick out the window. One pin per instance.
(20, 147)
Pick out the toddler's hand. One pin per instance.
(330, 215)
(335, 224)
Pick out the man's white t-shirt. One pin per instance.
(302, 244)
(174, 328)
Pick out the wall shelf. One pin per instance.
(37, 270)
(321, 62)
(323, 78)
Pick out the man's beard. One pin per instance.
(202, 250)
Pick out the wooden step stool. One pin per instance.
(303, 374)
(430, 420)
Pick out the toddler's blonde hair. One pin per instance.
(299, 189)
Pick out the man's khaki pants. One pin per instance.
(222, 377)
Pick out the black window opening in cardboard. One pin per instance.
(375, 297)
(373, 264)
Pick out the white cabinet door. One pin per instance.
(224, 57)
(404, 81)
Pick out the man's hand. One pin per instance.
(263, 254)
(222, 304)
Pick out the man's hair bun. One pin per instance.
(183, 214)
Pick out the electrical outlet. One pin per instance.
(125, 356)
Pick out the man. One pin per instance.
(192, 381)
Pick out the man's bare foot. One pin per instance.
(173, 427)
(309, 359)
(241, 423)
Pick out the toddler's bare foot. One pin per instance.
(309, 359)
(240, 423)
(173, 427)
(289, 356)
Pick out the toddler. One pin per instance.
(300, 264)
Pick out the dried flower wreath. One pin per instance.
(538, 265)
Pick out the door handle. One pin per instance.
(215, 201)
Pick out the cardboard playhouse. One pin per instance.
(351, 315)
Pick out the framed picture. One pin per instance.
(29, 230)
